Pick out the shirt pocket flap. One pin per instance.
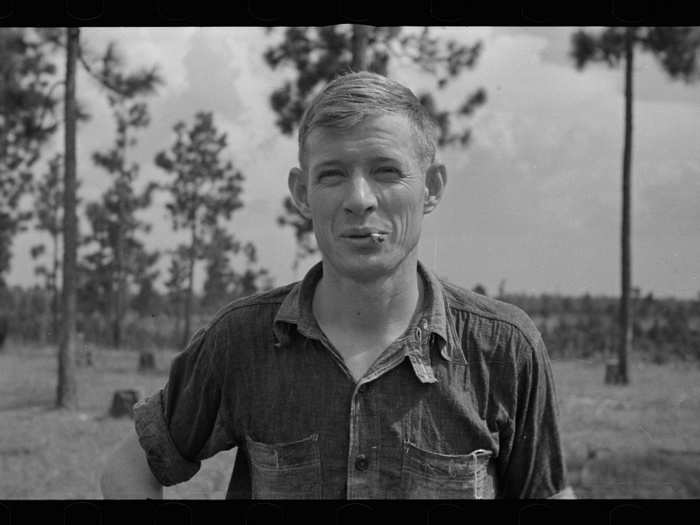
(293, 454)
(439, 465)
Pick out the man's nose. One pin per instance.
(361, 197)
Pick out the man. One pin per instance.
(371, 378)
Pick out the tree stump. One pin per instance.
(147, 361)
(123, 402)
(612, 374)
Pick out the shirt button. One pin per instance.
(362, 389)
(361, 462)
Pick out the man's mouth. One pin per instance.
(377, 237)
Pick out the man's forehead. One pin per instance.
(384, 136)
(319, 163)
(379, 122)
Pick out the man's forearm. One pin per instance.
(127, 474)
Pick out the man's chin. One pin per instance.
(362, 269)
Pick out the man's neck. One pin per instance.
(383, 307)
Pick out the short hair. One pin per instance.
(351, 98)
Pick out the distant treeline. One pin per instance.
(152, 321)
(572, 327)
(586, 326)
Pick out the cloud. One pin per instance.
(213, 74)
(670, 208)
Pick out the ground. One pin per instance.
(638, 441)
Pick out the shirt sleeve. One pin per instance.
(185, 421)
(535, 466)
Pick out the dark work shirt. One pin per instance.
(461, 406)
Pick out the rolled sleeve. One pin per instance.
(167, 464)
(186, 421)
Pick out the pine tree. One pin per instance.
(204, 190)
(676, 50)
(114, 220)
(119, 82)
(67, 385)
(27, 122)
(48, 204)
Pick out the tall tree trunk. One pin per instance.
(360, 34)
(119, 284)
(190, 289)
(120, 292)
(67, 389)
(54, 291)
(625, 334)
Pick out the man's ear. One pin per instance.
(298, 189)
(435, 182)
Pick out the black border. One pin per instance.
(186, 512)
(319, 12)
(324, 12)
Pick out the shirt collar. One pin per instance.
(434, 325)
(297, 309)
(437, 318)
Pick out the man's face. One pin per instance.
(368, 179)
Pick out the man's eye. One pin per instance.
(388, 170)
(328, 174)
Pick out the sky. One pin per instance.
(532, 204)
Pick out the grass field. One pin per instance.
(639, 441)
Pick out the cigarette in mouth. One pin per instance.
(377, 237)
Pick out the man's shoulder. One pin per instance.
(253, 305)
(489, 309)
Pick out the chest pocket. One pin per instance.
(430, 475)
(285, 470)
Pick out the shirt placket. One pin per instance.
(363, 461)
(363, 451)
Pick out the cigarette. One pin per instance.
(377, 237)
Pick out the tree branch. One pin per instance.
(100, 78)
(46, 108)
